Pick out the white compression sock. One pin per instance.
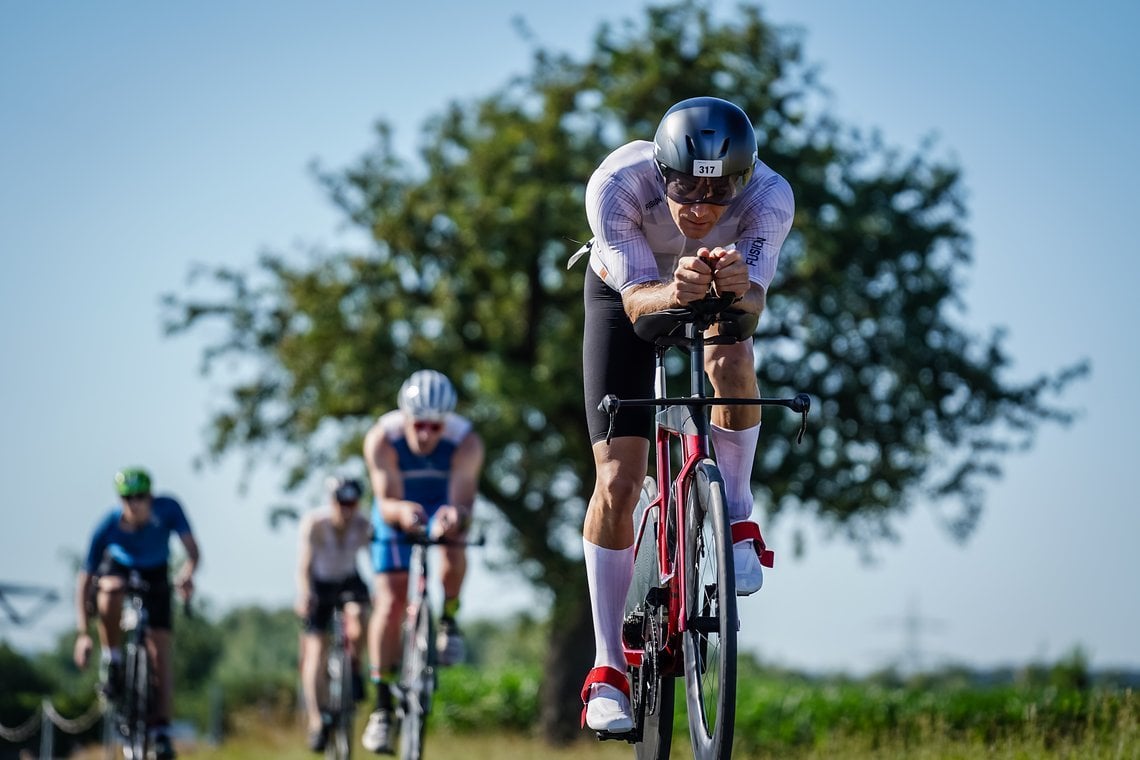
(608, 573)
(735, 452)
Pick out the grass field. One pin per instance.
(255, 738)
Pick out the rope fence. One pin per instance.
(36, 722)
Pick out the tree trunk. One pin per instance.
(569, 657)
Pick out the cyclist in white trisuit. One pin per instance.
(329, 542)
(669, 218)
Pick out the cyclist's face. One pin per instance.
(137, 508)
(695, 220)
(423, 435)
(342, 510)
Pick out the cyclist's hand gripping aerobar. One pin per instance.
(448, 522)
(729, 272)
(692, 279)
(413, 518)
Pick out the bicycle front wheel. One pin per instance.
(341, 706)
(418, 681)
(709, 641)
(136, 702)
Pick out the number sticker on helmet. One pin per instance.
(707, 168)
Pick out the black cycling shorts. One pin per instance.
(156, 599)
(614, 360)
(329, 594)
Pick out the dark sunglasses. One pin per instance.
(686, 189)
(137, 497)
(347, 495)
(427, 427)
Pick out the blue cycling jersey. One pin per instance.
(145, 547)
(425, 479)
(426, 476)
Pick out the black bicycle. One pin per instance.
(341, 700)
(131, 705)
(681, 618)
(418, 676)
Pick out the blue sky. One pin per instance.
(137, 139)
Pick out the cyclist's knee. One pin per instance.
(619, 492)
(389, 603)
(109, 584)
(732, 372)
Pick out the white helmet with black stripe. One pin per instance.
(427, 395)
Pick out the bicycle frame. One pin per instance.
(665, 627)
(418, 680)
(418, 600)
(684, 419)
(338, 672)
(135, 623)
(674, 421)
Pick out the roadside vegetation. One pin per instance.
(237, 677)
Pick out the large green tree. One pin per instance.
(466, 273)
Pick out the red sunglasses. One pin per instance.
(427, 426)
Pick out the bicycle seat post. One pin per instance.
(694, 335)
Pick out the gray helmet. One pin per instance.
(706, 138)
(427, 395)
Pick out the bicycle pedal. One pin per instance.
(625, 736)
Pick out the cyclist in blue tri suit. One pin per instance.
(135, 536)
(424, 462)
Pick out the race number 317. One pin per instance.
(707, 168)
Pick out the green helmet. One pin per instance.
(132, 481)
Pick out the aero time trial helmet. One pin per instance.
(705, 148)
(427, 395)
(132, 481)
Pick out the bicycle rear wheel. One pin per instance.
(136, 702)
(418, 682)
(709, 641)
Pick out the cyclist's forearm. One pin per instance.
(193, 556)
(82, 587)
(304, 577)
(394, 510)
(640, 300)
(753, 301)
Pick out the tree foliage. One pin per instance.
(466, 273)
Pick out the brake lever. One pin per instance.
(610, 405)
(802, 402)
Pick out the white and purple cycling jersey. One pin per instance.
(636, 240)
